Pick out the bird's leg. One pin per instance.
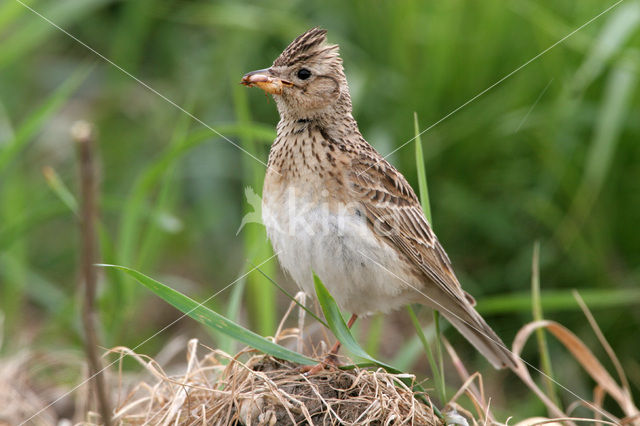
(331, 358)
(336, 347)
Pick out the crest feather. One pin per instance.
(306, 46)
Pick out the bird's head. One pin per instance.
(307, 79)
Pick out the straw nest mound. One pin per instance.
(266, 391)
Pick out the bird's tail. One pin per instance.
(481, 336)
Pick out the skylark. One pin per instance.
(333, 205)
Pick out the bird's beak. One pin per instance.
(265, 80)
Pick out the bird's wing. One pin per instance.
(394, 212)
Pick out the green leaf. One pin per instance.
(210, 318)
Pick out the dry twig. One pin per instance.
(82, 133)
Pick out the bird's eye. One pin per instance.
(304, 74)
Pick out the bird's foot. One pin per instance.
(330, 361)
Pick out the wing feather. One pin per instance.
(393, 210)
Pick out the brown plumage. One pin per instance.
(334, 205)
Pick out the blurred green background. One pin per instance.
(551, 154)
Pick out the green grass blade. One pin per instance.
(134, 243)
(36, 120)
(33, 31)
(47, 295)
(233, 310)
(438, 369)
(133, 214)
(421, 171)
(437, 378)
(375, 335)
(43, 292)
(610, 124)
(131, 228)
(615, 108)
(210, 318)
(559, 301)
(543, 348)
(134, 240)
(29, 220)
(60, 189)
(151, 238)
(620, 25)
(438, 342)
(261, 298)
(412, 349)
(15, 200)
(9, 11)
(110, 299)
(131, 33)
(223, 341)
(290, 296)
(339, 327)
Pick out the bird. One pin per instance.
(332, 205)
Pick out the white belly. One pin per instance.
(340, 248)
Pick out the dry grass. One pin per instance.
(253, 389)
(17, 398)
(265, 391)
(30, 381)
